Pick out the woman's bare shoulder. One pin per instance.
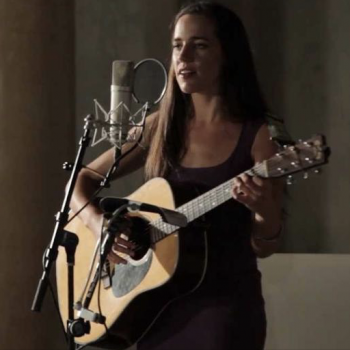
(152, 119)
(263, 146)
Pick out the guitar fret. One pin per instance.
(160, 230)
(195, 208)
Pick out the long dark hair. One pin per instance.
(238, 80)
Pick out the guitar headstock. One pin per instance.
(297, 158)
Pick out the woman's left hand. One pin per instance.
(256, 194)
(264, 197)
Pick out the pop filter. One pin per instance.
(150, 81)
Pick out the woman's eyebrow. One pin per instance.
(193, 38)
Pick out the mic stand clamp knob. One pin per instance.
(79, 327)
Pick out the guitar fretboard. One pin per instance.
(199, 206)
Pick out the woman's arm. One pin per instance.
(89, 179)
(263, 197)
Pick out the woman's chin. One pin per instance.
(199, 89)
(188, 89)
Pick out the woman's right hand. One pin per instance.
(121, 247)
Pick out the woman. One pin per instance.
(210, 128)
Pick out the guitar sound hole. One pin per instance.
(140, 235)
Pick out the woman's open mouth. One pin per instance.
(186, 73)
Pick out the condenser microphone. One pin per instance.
(143, 84)
(121, 93)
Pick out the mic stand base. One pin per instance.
(75, 327)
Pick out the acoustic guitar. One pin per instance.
(167, 264)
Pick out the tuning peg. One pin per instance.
(306, 175)
(309, 160)
(290, 180)
(317, 171)
(307, 143)
(67, 166)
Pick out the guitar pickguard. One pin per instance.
(127, 277)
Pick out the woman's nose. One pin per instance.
(186, 54)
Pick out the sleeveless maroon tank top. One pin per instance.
(230, 255)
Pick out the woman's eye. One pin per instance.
(176, 46)
(201, 46)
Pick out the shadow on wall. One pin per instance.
(306, 109)
(290, 46)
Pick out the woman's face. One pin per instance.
(197, 55)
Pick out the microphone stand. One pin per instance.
(112, 229)
(118, 153)
(172, 217)
(68, 240)
(117, 158)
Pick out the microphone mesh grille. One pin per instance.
(123, 73)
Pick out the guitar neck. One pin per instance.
(202, 204)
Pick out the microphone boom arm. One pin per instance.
(172, 217)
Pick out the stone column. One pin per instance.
(37, 136)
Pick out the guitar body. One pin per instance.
(141, 289)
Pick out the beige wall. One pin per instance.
(307, 301)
